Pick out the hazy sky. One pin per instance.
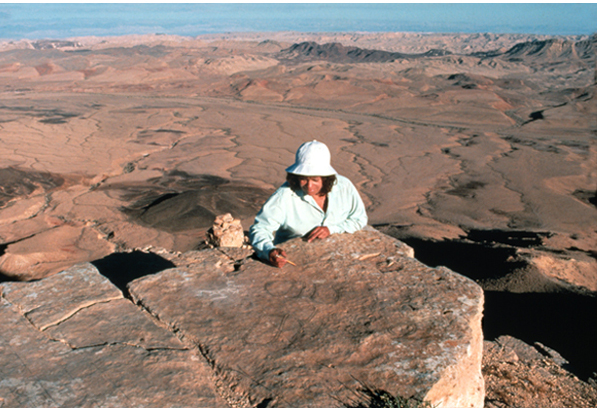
(49, 20)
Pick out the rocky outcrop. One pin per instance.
(73, 340)
(552, 49)
(524, 376)
(357, 318)
(336, 52)
(226, 232)
(357, 311)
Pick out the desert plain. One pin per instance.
(478, 150)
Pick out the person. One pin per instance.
(314, 202)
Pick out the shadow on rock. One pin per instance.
(122, 268)
(383, 399)
(558, 318)
(564, 322)
(3, 277)
(7, 278)
(478, 261)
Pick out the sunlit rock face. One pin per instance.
(355, 318)
(227, 232)
(518, 374)
(356, 310)
(73, 340)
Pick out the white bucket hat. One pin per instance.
(312, 159)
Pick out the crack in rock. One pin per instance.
(67, 316)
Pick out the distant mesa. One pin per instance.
(536, 50)
(54, 44)
(555, 49)
(336, 52)
(548, 48)
(157, 51)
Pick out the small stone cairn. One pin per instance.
(226, 232)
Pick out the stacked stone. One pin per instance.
(226, 232)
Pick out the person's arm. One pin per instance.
(357, 215)
(267, 222)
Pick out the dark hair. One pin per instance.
(294, 180)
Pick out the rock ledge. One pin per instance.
(356, 311)
(224, 329)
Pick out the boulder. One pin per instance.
(73, 340)
(357, 317)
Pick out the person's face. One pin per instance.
(311, 185)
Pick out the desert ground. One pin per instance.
(478, 150)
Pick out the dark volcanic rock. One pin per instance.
(336, 52)
(181, 202)
(17, 183)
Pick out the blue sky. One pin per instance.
(52, 20)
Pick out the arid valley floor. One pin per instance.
(478, 150)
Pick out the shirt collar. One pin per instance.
(308, 199)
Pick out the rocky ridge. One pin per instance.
(73, 340)
(524, 376)
(223, 329)
(549, 50)
(336, 52)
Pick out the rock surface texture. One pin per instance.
(357, 312)
(226, 232)
(358, 317)
(524, 376)
(73, 340)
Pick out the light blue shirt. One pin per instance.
(288, 214)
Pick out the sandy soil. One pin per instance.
(111, 143)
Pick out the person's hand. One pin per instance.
(318, 233)
(277, 257)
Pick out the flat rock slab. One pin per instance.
(356, 313)
(52, 300)
(73, 340)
